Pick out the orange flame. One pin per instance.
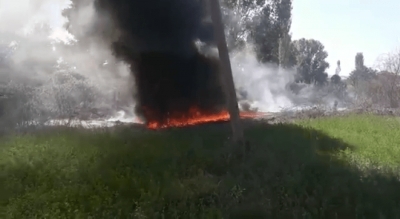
(196, 116)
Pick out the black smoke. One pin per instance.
(157, 38)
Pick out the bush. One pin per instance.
(383, 91)
(63, 96)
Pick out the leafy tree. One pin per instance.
(241, 18)
(336, 79)
(361, 72)
(311, 64)
(263, 22)
(275, 22)
(286, 52)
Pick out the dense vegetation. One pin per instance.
(343, 167)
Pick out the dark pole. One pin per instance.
(237, 130)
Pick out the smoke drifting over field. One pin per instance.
(53, 65)
(143, 50)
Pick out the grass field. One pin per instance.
(345, 167)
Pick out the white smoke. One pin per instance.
(21, 16)
(38, 28)
(37, 51)
(266, 86)
(269, 88)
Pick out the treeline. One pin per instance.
(266, 24)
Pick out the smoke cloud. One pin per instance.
(51, 47)
(143, 50)
(157, 38)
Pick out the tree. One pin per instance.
(274, 25)
(311, 65)
(361, 73)
(390, 76)
(336, 79)
(391, 62)
(263, 22)
(241, 18)
(286, 52)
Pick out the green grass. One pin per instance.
(345, 167)
(376, 140)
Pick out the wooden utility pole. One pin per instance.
(229, 86)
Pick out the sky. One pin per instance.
(346, 27)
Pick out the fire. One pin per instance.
(196, 116)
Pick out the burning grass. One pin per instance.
(196, 117)
(345, 167)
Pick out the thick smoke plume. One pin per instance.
(157, 38)
(58, 57)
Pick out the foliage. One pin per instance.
(391, 67)
(378, 88)
(361, 73)
(338, 88)
(262, 22)
(287, 52)
(336, 79)
(311, 63)
(346, 167)
(64, 96)
(273, 25)
(382, 91)
(391, 62)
